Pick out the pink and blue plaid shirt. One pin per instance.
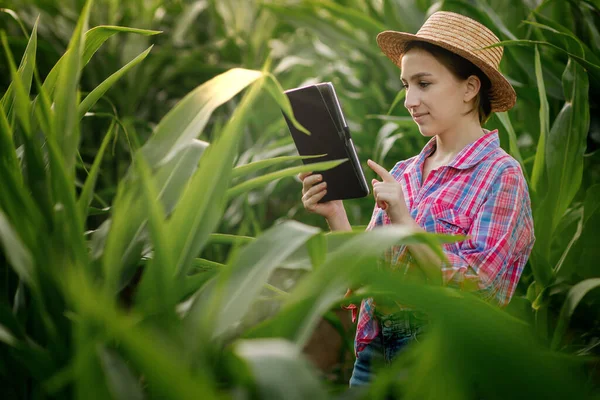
(482, 194)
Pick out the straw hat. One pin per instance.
(463, 36)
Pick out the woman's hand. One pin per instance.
(389, 195)
(313, 190)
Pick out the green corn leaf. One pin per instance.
(121, 382)
(591, 204)
(574, 297)
(355, 18)
(18, 20)
(405, 15)
(43, 112)
(21, 96)
(188, 119)
(512, 139)
(36, 174)
(576, 248)
(305, 16)
(556, 34)
(16, 201)
(222, 238)
(303, 259)
(202, 204)
(8, 157)
(236, 287)
(37, 171)
(176, 131)
(204, 264)
(580, 46)
(274, 87)
(193, 283)
(119, 241)
(158, 283)
(65, 118)
(10, 327)
(539, 163)
(66, 217)
(591, 67)
(249, 168)
(86, 369)
(272, 362)
(87, 193)
(399, 97)
(25, 71)
(15, 251)
(560, 31)
(28, 354)
(95, 95)
(292, 171)
(153, 355)
(344, 267)
(94, 39)
(317, 250)
(514, 341)
(565, 147)
(187, 20)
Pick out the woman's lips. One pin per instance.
(419, 117)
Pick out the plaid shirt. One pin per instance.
(482, 193)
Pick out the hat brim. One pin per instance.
(502, 95)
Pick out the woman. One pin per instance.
(462, 182)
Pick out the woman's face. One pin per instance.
(434, 96)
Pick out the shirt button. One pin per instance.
(387, 323)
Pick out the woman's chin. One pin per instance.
(426, 131)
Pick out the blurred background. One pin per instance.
(310, 41)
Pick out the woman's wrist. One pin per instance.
(404, 219)
(338, 221)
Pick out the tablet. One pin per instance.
(318, 109)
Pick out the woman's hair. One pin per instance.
(462, 69)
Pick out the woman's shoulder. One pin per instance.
(499, 162)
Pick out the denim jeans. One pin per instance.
(396, 332)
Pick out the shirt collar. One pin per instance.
(471, 155)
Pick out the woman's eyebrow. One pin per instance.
(417, 75)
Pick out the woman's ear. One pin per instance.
(472, 88)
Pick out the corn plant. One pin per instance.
(67, 330)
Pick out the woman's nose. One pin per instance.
(411, 99)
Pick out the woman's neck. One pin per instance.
(451, 142)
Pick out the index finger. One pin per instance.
(382, 172)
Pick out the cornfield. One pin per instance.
(152, 239)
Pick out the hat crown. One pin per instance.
(465, 37)
(463, 33)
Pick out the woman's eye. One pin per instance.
(405, 86)
(424, 84)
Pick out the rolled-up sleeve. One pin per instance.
(490, 261)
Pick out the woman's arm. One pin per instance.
(339, 221)
(492, 257)
(499, 241)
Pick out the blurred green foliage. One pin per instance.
(139, 261)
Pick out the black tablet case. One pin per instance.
(317, 108)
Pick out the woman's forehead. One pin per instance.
(418, 63)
